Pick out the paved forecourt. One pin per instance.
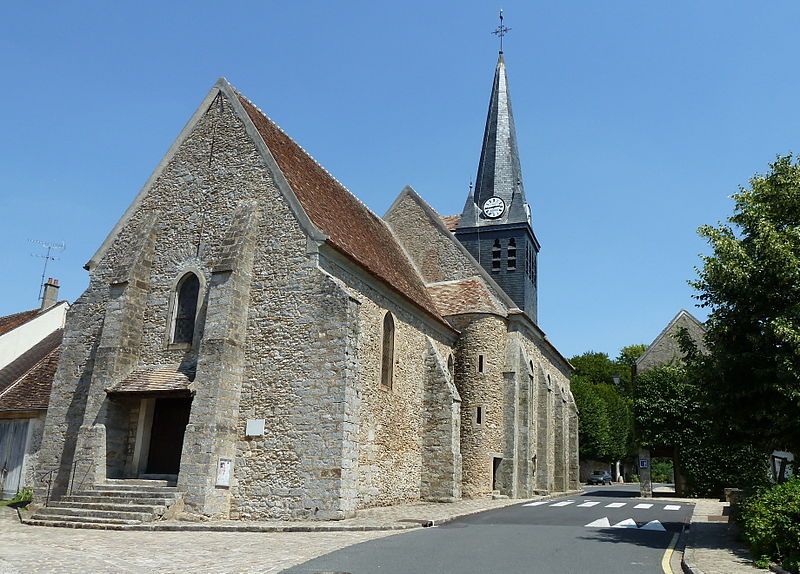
(572, 534)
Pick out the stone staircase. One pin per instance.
(113, 505)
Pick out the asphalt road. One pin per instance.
(555, 536)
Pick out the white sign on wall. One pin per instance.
(224, 472)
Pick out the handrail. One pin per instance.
(72, 472)
(49, 477)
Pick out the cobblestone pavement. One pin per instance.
(37, 549)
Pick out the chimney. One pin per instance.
(50, 293)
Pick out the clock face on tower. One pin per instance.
(494, 207)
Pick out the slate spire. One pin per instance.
(499, 172)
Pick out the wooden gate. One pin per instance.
(13, 435)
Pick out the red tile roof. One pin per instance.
(350, 226)
(10, 322)
(465, 296)
(450, 221)
(32, 374)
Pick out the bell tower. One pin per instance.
(495, 225)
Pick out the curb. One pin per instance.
(289, 527)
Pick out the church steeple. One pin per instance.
(495, 225)
(499, 172)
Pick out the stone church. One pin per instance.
(256, 337)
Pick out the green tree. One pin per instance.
(594, 367)
(594, 429)
(751, 285)
(672, 409)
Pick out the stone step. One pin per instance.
(155, 509)
(55, 519)
(163, 492)
(144, 500)
(138, 482)
(90, 514)
(76, 524)
(135, 487)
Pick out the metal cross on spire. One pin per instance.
(501, 31)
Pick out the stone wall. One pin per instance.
(436, 253)
(481, 443)
(391, 422)
(33, 445)
(666, 349)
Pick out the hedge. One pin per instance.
(770, 522)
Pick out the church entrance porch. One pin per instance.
(160, 428)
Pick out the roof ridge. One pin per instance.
(305, 151)
(18, 313)
(55, 349)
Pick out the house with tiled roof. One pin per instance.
(29, 350)
(259, 344)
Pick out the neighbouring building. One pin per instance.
(29, 347)
(666, 349)
(255, 335)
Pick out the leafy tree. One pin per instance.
(751, 284)
(672, 409)
(594, 367)
(594, 429)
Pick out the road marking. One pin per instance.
(589, 504)
(654, 525)
(643, 505)
(668, 555)
(616, 505)
(599, 523)
(627, 523)
(672, 507)
(537, 503)
(564, 503)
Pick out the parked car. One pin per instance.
(600, 477)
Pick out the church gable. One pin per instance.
(436, 252)
(349, 226)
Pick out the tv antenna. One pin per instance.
(47, 256)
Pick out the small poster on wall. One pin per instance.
(643, 463)
(224, 472)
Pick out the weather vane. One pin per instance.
(501, 31)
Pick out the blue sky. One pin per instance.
(636, 122)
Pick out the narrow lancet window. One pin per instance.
(186, 308)
(496, 255)
(387, 357)
(512, 255)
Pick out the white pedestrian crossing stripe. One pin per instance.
(589, 504)
(537, 503)
(616, 505)
(643, 506)
(672, 507)
(627, 523)
(599, 523)
(564, 503)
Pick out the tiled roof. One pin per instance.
(350, 226)
(25, 383)
(10, 322)
(450, 221)
(153, 380)
(464, 296)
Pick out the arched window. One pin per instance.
(511, 262)
(450, 367)
(496, 255)
(387, 357)
(188, 291)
